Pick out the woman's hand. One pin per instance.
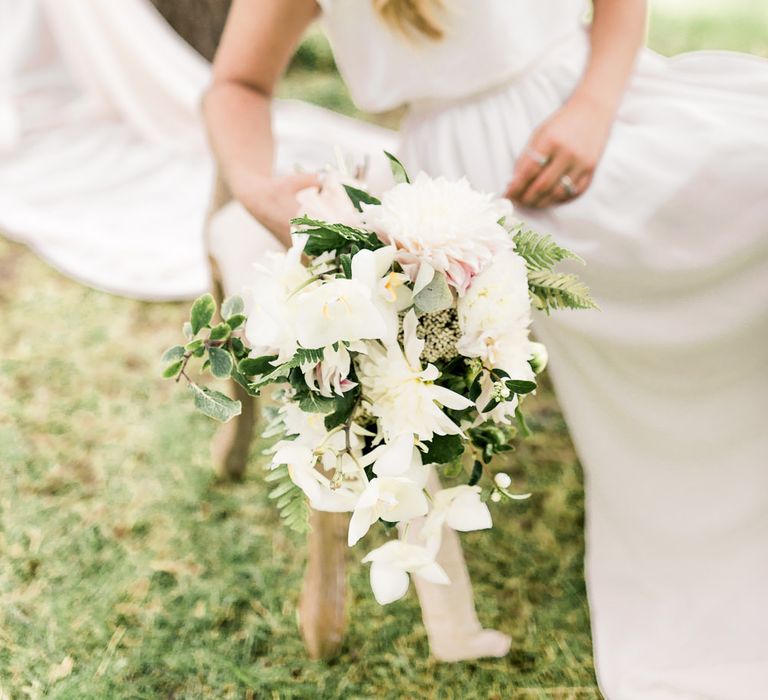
(561, 157)
(272, 201)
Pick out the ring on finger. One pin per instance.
(568, 185)
(538, 157)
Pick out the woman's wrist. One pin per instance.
(601, 103)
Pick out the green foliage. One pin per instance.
(289, 500)
(214, 404)
(539, 251)
(359, 197)
(232, 306)
(202, 313)
(343, 407)
(173, 354)
(255, 366)
(398, 169)
(436, 296)
(557, 290)
(221, 363)
(325, 237)
(551, 290)
(442, 449)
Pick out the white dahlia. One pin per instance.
(495, 315)
(436, 224)
(402, 394)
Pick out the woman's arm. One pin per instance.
(573, 139)
(259, 39)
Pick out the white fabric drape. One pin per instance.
(104, 170)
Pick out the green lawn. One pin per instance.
(128, 571)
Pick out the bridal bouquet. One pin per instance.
(396, 334)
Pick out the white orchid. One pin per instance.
(301, 462)
(390, 294)
(495, 316)
(441, 225)
(335, 311)
(270, 328)
(331, 375)
(389, 498)
(460, 508)
(400, 458)
(402, 394)
(392, 562)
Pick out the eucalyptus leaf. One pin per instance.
(221, 363)
(525, 431)
(220, 332)
(173, 354)
(232, 306)
(477, 472)
(214, 404)
(202, 312)
(236, 320)
(436, 296)
(314, 403)
(173, 369)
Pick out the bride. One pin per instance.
(652, 169)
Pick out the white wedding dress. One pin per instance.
(666, 389)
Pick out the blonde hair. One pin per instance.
(407, 16)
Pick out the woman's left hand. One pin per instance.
(561, 156)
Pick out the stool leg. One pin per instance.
(322, 614)
(232, 443)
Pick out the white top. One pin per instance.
(487, 43)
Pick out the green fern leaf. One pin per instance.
(290, 500)
(556, 290)
(540, 252)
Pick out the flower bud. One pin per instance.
(495, 496)
(539, 357)
(502, 480)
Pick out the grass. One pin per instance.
(128, 571)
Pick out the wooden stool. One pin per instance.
(235, 241)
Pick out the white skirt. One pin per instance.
(666, 389)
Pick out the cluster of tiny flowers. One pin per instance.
(441, 332)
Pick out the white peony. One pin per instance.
(402, 394)
(390, 498)
(495, 315)
(441, 225)
(392, 562)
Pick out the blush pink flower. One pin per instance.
(443, 226)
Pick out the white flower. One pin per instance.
(330, 375)
(389, 291)
(402, 395)
(503, 411)
(337, 310)
(539, 358)
(390, 498)
(400, 458)
(330, 202)
(495, 315)
(270, 326)
(301, 462)
(502, 480)
(459, 508)
(442, 225)
(392, 562)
